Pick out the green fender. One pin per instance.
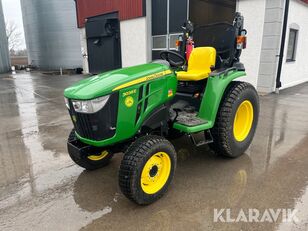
(215, 89)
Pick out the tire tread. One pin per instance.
(221, 129)
(131, 160)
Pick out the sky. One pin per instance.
(12, 13)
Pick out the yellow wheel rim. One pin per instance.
(243, 121)
(155, 173)
(98, 157)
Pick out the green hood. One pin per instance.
(104, 84)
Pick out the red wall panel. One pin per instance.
(127, 9)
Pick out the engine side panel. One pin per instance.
(136, 104)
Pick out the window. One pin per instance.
(292, 45)
(172, 41)
(160, 42)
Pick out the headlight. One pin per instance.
(90, 106)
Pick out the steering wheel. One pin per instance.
(169, 57)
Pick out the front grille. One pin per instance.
(100, 125)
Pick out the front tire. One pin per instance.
(147, 169)
(236, 120)
(90, 161)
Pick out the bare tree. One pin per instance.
(14, 36)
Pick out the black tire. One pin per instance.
(133, 163)
(225, 142)
(83, 160)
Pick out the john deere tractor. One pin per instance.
(137, 110)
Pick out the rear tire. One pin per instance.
(236, 120)
(147, 169)
(90, 162)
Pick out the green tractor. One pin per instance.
(136, 110)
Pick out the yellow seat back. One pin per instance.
(202, 59)
(199, 65)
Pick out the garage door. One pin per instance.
(167, 18)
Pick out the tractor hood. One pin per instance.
(106, 83)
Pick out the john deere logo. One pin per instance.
(129, 101)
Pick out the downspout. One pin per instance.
(282, 45)
(77, 15)
(147, 13)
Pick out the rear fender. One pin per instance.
(215, 89)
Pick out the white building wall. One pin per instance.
(272, 31)
(254, 13)
(294, 73)
(134, 41)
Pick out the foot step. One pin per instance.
(207, 138)
(189, 119)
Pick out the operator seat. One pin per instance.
(201, 60)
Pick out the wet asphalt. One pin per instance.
(42, 189)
